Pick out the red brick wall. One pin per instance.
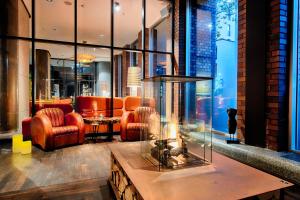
(276, 74)
(180, 36)
(277, 77)
(241, 85)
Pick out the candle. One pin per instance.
(17, 143)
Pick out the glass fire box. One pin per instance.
(178, 121)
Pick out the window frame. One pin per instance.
(33, 39)
(294, 134)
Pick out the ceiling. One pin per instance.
(55, 21)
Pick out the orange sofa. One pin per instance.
(64, 104)
(93, 106)
(135, 112)
(51, 129)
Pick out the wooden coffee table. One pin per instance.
(95, 122)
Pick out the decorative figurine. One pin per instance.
(231, 112)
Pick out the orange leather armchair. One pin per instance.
(133, 122)
(51, 129)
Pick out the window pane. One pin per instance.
(55, 20)
(94, 22)
(158, 64)
(128, 24)
(54, 69)
(15, 87)
(94, 72)
(296, 55)
(213, 53)
(159, 25)
(15, 18)
(128, 73)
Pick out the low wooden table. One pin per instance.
(224, 179)
(95, 122)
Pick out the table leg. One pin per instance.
(110, 131)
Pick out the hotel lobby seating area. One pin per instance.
(149, 99)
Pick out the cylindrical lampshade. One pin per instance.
(134, 77)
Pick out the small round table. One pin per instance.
(95, 122)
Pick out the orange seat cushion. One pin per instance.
(64, 130)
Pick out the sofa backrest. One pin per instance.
(55, 115)
(87, 105)
(64, 105)
(132, 103)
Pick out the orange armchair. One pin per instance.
(133, 122)
(51, 129)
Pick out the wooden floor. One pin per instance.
(54, 175)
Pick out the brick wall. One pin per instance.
(180, 36)
(241, 85)
(203, 38)
(276, 87)
(277, 76)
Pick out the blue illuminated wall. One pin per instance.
(213, 53)
(295, 140)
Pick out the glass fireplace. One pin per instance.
(177, 126)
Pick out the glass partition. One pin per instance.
(94, 23)
(213, 53)
(55, 20)
(168, 129)
(158, 64)
(159, 25)
(54, 43)
(94, 72)
(54, 66)
(128, 23)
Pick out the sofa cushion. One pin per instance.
(64, 130)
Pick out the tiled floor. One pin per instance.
(64, 166)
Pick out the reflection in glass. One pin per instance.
(55, 20)
(94, 72)
(159, 25)
(167, 129)
(94, 22)
(213, 53)
(128, 24)
(54, 67)
(158, 64)
(127, 73)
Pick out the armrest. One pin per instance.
(76, 120)
(127, 117)
(41, 131)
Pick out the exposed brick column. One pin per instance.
(276, 85)
(241, 85)
(179, 53)
(277, 77)
(180, 36)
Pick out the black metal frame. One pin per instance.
(77, 44)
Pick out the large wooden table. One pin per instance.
(224, 179)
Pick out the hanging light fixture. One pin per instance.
(85, 58)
